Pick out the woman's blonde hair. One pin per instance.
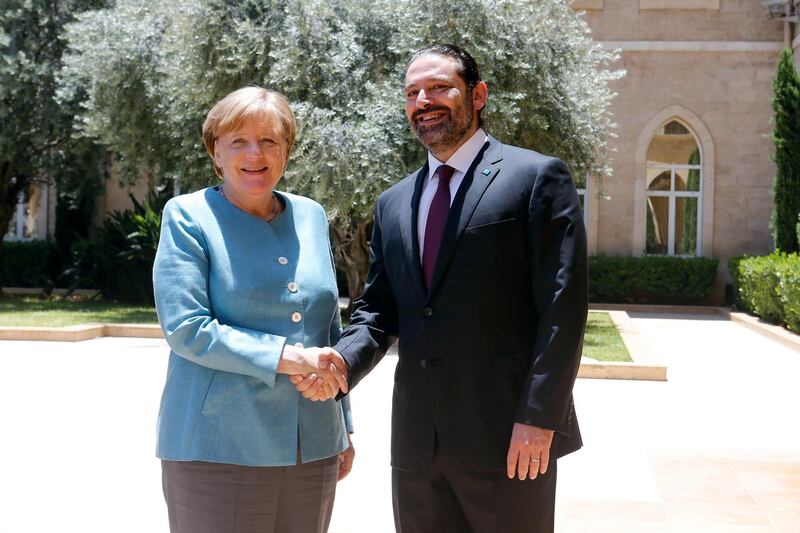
(249, 103)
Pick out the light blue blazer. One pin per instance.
(231, 290)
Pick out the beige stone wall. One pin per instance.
(49, 221)
(730, 93)
(735, 20)
(679, 4)
(796, 46)
(587, 4)
(116, 197)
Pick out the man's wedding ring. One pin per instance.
(534, 460)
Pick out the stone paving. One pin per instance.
(716, 448)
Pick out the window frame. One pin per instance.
(705, 142)
(16, 229)
(34, 213)
(673, 195)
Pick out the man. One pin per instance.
(478, 265)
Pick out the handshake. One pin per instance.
(318, 373)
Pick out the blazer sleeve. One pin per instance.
(180, 283)
(373, 326)
(557, 241)
(335, 333)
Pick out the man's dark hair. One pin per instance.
(467, 67)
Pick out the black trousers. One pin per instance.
(447, 498)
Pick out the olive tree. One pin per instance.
(150, 71)
(37, 142)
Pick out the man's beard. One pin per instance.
(449, 133)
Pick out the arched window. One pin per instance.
(673, 192)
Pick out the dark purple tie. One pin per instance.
(437, 217)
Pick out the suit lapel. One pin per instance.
(480, 174)
(408, 228)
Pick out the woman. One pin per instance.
(243, 281)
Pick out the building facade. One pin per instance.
(691, 163)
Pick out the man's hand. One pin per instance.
(328, 374)
(529, 451)
(346, 460)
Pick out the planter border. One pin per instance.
(81, 332)
(777, 333)
(771, 331)
(645, 365)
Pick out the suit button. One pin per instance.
(283, 261)
(292, 287)
(424, 364)
(296, 317)
(427, 312)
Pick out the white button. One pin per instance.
(292, 287)
(299, 345)
(296, 317)
(282, 260)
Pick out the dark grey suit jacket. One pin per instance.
(497, 337)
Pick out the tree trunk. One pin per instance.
(9, 192)
(351, 254)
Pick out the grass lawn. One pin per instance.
(31, 311)
(602, 340)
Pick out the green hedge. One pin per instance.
(769, 286)
(651, 279)
(740, 302)
(29, 264)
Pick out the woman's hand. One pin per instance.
(346, 460)
(318, 373)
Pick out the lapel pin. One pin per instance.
(486, 172)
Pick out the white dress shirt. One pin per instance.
(460, 161)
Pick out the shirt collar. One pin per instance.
(463, 157)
